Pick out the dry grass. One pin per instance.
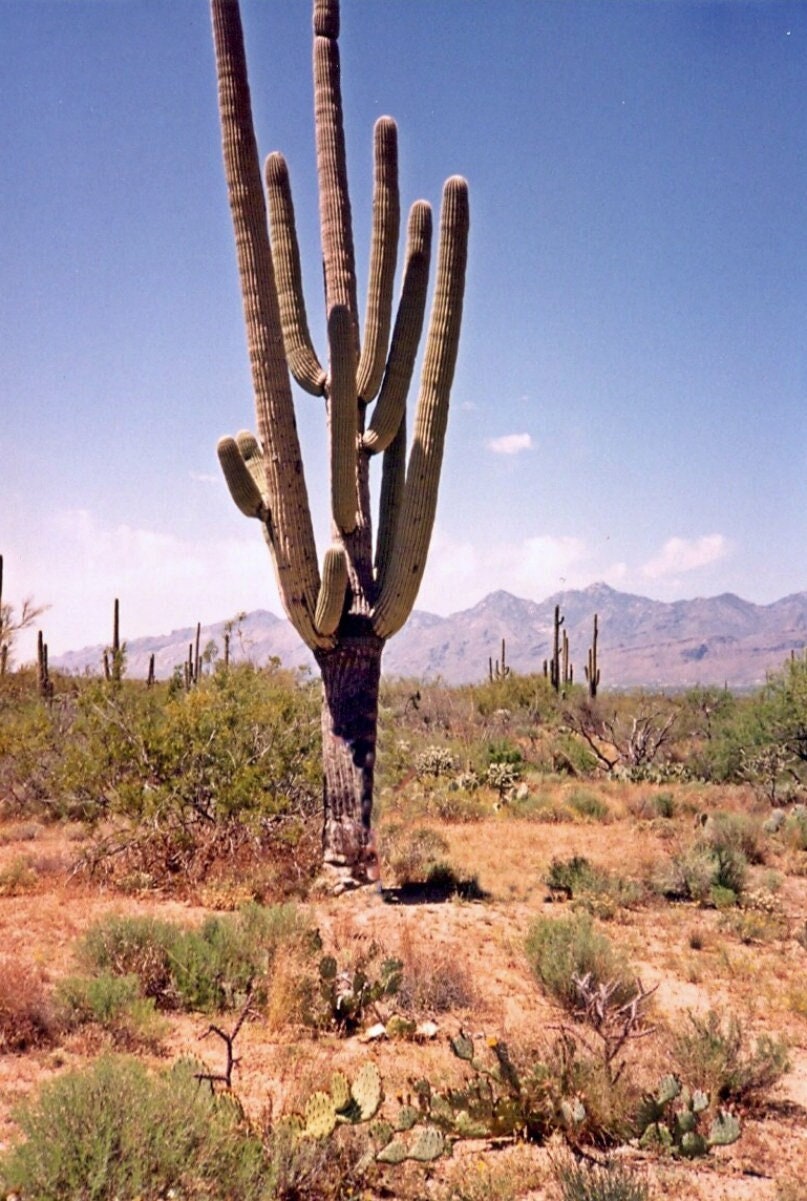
(465, 966)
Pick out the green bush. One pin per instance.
(610, 1181)
(559, 949)
(589, 805)
(116, 1003)
(412, 851)
(593, 888)
(115, 1132)
(210, 968)
(716, 1056)
(241, 742)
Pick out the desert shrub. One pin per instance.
(115, 1003)
(114, 1131)
(26, 1014)
(435, 978)
(559, 949)
(593, 888)
(611, 1181)
(705, 873)
(794, 830)
(18, 877)
(209, 968)
(649, 806)
(242, 742)
(588, 805)
(411, 851)
(737, 832)
(717, 1056)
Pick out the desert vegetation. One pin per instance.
(582, 973)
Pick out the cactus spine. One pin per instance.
(364, 594)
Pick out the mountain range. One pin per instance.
(721, 640)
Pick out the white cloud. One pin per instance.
(163, 581)
(510, 444)
(681, 555)
(458, 574)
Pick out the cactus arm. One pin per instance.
(292, 538)
(393, 479)
(242, 485)
(391, 403)
(383, 254)
(343, 412)
(334, 201)
(414, 530)
(332, 591)
(300, 354)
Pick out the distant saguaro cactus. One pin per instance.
(364, 593)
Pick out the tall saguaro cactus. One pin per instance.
(366, 589)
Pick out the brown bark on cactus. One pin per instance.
(350, 678)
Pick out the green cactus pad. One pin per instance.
(669, 1088)
(693, 1145)
(340, 1091)
(725, 1129)
(429, 1145)
(463, 1047)
(699, 1101)
(381, 1133)
(367, 1091)
(394, 1153)
(406, 1117)
(320, 1116)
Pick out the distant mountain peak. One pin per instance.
(643, 643)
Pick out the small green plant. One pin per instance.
(716, 1055)
(114, 1131)
(115, 1003)
(434, 761)
(588, 805)
(348, 995)
(592, 888)
(560, 949)
(672, 1119)
(412, 852)
(610, 1181)
(211, 968)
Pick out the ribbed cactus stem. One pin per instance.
(383, 257)
(292, 539)
(334, 200)
(332, 591)
(393, 480)
(343, 412)
(402, 582)
(240, 480)
(391, 405)
(300, 354)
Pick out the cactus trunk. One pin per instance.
(366, 590)
(350, 679)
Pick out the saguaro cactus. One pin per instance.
(365, 592)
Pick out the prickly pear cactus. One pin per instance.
(367, 1091)
(671, 1121)
(320, 1116)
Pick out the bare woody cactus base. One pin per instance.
(365, 592)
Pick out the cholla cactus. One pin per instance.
(364, 593)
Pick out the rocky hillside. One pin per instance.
(643, 643)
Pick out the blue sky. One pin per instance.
(629, 403)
